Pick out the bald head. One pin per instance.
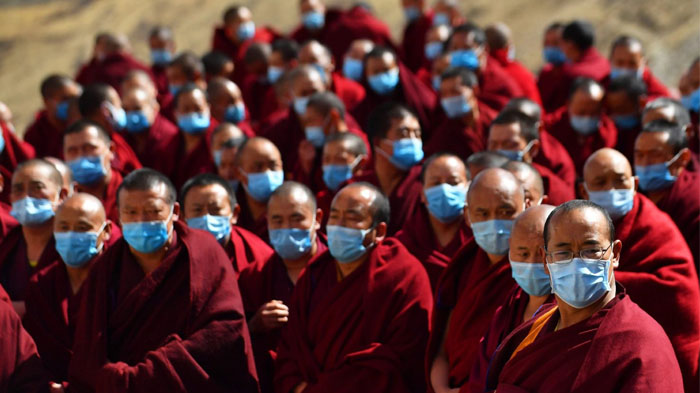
(63, 169)
(366, 200)
(293, 191)
(306, 80)
(359, 48)
(498, 36)
(527, 236)
(42, 168)
(313, 52)
(139, 79)
(607, 169)
(498, 183)
(531, 180)
(532, 221)
(81, 206)
(526, 106)
(479, 161)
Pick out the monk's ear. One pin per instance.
(466, 215)
(107, 232)
(682, 162)
(235, 213)
(176, 211)
(582, 190)
(319, 219)
(636, 183)
(62, 194)
(534, 148)
(545, 200)
(423, 198)
(616, 249)
(380, 232)
(528, 203)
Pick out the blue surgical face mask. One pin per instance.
(531, 277)
(77, 248)
(691, 101)
(174, 89)
(193, 123)
(321, 71)
(62, 110)
(118, 116)
(136, 122)
(617, 72)
(217, 157)
(291, 243)
(585, 125)
(346, 244)
(626, 122)
(261, 185)
(580, 282)
(274, 73)
(32, 211)
(246, 31)
(554, 55)
(352, 68)
(300, 105)
(146, 236)
(435, 81)
(411, 13)
(407, 153)
(441, 18)
(493, 236)
(657, 176)
(161, 57)
(466, 58)
(385, 82)
(616, 202)
(87, 170)
(516, 155)
(315, 135)
(313, 20)
(456, 106)
(219, 226)
(235, 113)
(433, 50)
(335, 175)
(446, 201)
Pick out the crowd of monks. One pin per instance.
(331, 211)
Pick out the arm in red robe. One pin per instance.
(496, 87)
(413, 41)
(519, 73)
(683, 205)
(655, 88)
(44, 137)
(245, 248)
(349, 91)
(14, 153)
(555, 188)
(455, 137)
(157, 152)
(20, 366)
(125, 160)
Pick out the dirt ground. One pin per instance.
(39, 37)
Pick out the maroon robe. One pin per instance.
(247, 221)
(197, 161)
(682, 204)
(245, 248)
(413, 42)
(657, 269)
(420, 240)
(160, 78)
(619, 349)
(4, 297)
(301, 34)
(86, 73)
(349, 91)
(20, 366)
(125, 160)
(404, 198)
(496, 86)
(46, 138)
(262, 281)
(14, 153)
(372, 326)
(547, 83)
(259, 97)
(580, 147)
(554, 156)
(655, 88)
(555, 188)
(468, 293)
(453, 136)
(15, 270)
(180, 328)
(113, 68)
(157, 152)
(236, 51)
(7, 222)
(625, 141)
(519, 74)
(109, 198)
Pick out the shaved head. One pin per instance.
(85, 205)
(496, 181)
(532, 221)
(296, 191)
(533, 186)
(47, 169)
(604, 161)
(498, 36)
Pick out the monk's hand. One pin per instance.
(56, 388)
(300, 388)
(270, 316)
(307, 155)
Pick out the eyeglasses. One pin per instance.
(595, 254)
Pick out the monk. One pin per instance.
(13, 152)
(316, 21)
(533, 290)
(266, 284)
(210, 204)
(435, 39)
(482, 160)
(477, 280)
(673, 111)
(194, 124)
(82, 233)
(45, 134)
(217, 65)
(467, 48)
(624, 101)
(581, 126)
(437, 229)
(226, 103)
(139, 79)
(150, 134)
(395, 135)
(20, 369)
(353, 67)
(116, 63)
(689, 87)
(87, 71)
(575, 345)
(185, 68)
(152, 329)
(65, 172)
(627, 59)
(418, 22)
(259, 93)
(101, 104)
(532, 182)
(359, 315)
(161, 43)
(259, 165)
(463, 131)
(226, 139)
(661, 156)
(553, 70)
(499, 43)
(657, 267)
(88, 151)
(7, 222)
(36, 191)
(388, 80)
(447, 13)
(517, 137)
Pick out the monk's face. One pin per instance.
(138, 100)
(219, 102)
(148, 205)
(313, 53)
(228, 169)
(87, 143)
(259, 156)
(444, 170)
(311, 5)
(627, 56)
(378, 65)
(231, 27)
(155, 42)
(65, 93)
(339, 153)
(619, 103)
(527, 241)
(227, 133)
(78, 215)
(312, 118)
(211, 199)
(586, 103)
(529, 180)
(440, 64)
(138, 82)
(351, 208)
(607, 171)
(438, 33)
(307, 84)
(494, 200)
(552, 37)
(293, 210)
(404, 128)
(453, 87)
(190, 102)
(358, 49)
(276, 60)
(507, 137)
(176, 76)
(35, 181)
(653, 148)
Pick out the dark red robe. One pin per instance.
(247, 221)
(4, 297)
(558, 125)
(547, 84)
(365, 333)
(20, 366)
(618, 349)
(14, 153)
(7, 222)
(413, 41)
(109, 198)
(86, 73)
(349, 91)
(236, 52)
(404, 198)
(259, 97)
(125, 160)
(518, 73)
(15, 270)
(245, 248)
(554, 156)
(113, 68)
(655, 88)
(157, 152)
(160, 78)
(195, 162)
(180, 328)
(682, 204)
(468, 293)
(46, 138)
(453, 136)
(496, 86)
(262, 281)
(657, 269)
(301, 34)
(420, 240)
(556, 189)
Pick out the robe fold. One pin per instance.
(618, 349)
(453, 136)
(365, 333)
(7, 222)
(580, 147)
(15, 270)
(496, 86)
(519, 74)
(259, 97)
(4, 297)
(125, 160)
(655, 88)
(625, 141)
(554, 156)
(14, 153)
(262, 281)
(180, 328)
(555, 188)
(245, 248)
(657, 269)
(112, 70)
(44, 137)
(468, 293)
(157, 151)
(236, 51)
(419, 238)
(160, 78)
(109, 198)
(413, 41)
(197, 161)
(20, 366)
(349, 91)
(246, 220)
(547, 84)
